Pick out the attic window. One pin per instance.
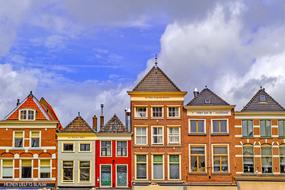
(27, 114)
(207, 101)
(262, 98)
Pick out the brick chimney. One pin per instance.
(95, 122)
(102, 116)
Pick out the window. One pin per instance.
(207, 101)
(197, 126)
(174, 166)
(140, 112)
(35, 139)
(157, 112)
(67, 171)
(265, 127)
(262, 98)
(247, 128)
(157, 167)
(157, 135)
(173, 112)
(141, 164)
(197, 157)
(26, 171)
(106, 176)
(248, 159)
(141, 135)
(45, 169)
(122, 148)
(7, 169)
(266, 152)
(220, 159)
(122, 176)
(282, 159)
(68, 147)
(220, 126)
(84, 169)
(106, 148)
(174, 135)
(18, 138)
(27, 114)
(281, 128)
(85, 147)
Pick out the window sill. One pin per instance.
(160, 118)
(224, 174)
(197, 134)
(140, 118)
(220, 134)
(173, 118)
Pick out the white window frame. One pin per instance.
(20, 170)
(253, 156)
(27, 114)
(155, 126)
(168, 135)
(40, 139)
(206, 162)
(73, 168)
(64, 151)
(90, 176)
(117, 174)
(39, 168)
(168, 167)
(271, 128)
(85, 143)
(117, 148)
(135, 111)
(23, 136)
(136, 143)
(219, 119)
(228, 153)
(162, 111)
(179, 112)
(163, 169)
(194, 133)
(1, 171)
(135, 165)
(101, 148)
(101, 175)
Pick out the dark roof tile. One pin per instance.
(78, 125)
(114, 125)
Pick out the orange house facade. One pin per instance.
(28, 149)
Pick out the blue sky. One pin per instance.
(78, 55)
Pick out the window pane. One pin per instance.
(223, 126)
(122, 175)
(141, 171)
(26, 169)
(220, 150)
(68, 147)
(197, 150)
(157, 171)
(67, 170)
(106, 175)
(84, 170)
(201, 126)
(174, 171)
(215, 126)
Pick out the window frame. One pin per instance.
(205, 155)
(146, 165)
(168, 135)
(168, 166)
(152, 135)
(283, 122)
(50, 168)
(100, 183)
(27, 114)
(175, 117)
(267, 156)
(152, 164)
(127, 149)
(247, 127)
(73, 149)
(162, 111)
(23, 137)
(252, 156)
(197, 133)
(110, 147)
(220, 133)
(79, 171)
(228, 157)
(261, 136)
(40, 139)
(62, 171)
(13, 168)
(32, 169)
(79, 146)
(146, 135)
(116, 177)
(135, 111)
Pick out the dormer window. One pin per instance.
(262, 98)
(27, 114)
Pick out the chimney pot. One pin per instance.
(95, 122)
(195, 92)
(18, 102)
(102, 116)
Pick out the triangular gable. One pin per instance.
(207, 98)
(114, 125)
(78, 124)
(262, 102)
(30, 102)
(50, 111)
(156, 81)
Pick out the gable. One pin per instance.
(114, 125)
(262, 102)
(77, 125)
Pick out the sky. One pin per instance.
(80, 54)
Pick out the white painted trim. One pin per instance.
(173, 106)
(127, 180)
(73, 168)
(157, 126)
(135, 166)
(78, 176)
(101, 174)
(84, 142)
(23, 126)
(116, 149)
(27, 114)
(259, 117)
(152, 163)
(108, 138)
(20, 168)
(62, 147)
(13, 168)
(39, 168)
(23, 136)
(101, 148)
(189, 126)
(228, 152)
(146, 133)
(238, 126)
(135, 111)
(40, 139)
(168, 137)
(27, 148)
(239, 136)
(162, 111)
(219, 119)
(168, 167)
(189, 155)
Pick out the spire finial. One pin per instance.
(206, 86)
(155, 62)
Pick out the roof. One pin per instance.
(262, 102)
(207, 98)
(156, 81)
(78, 125)
(50, 111)
(114, 125)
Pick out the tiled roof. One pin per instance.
(207, 98)
(50, 111)
(156, 81)
(78, 125)
(262, 102)
(114, 125)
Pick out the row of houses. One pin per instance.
(163, 142)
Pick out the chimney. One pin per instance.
(195, 92)
(127, 119)
(95, 122)
(102, 116)
(18, 102)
